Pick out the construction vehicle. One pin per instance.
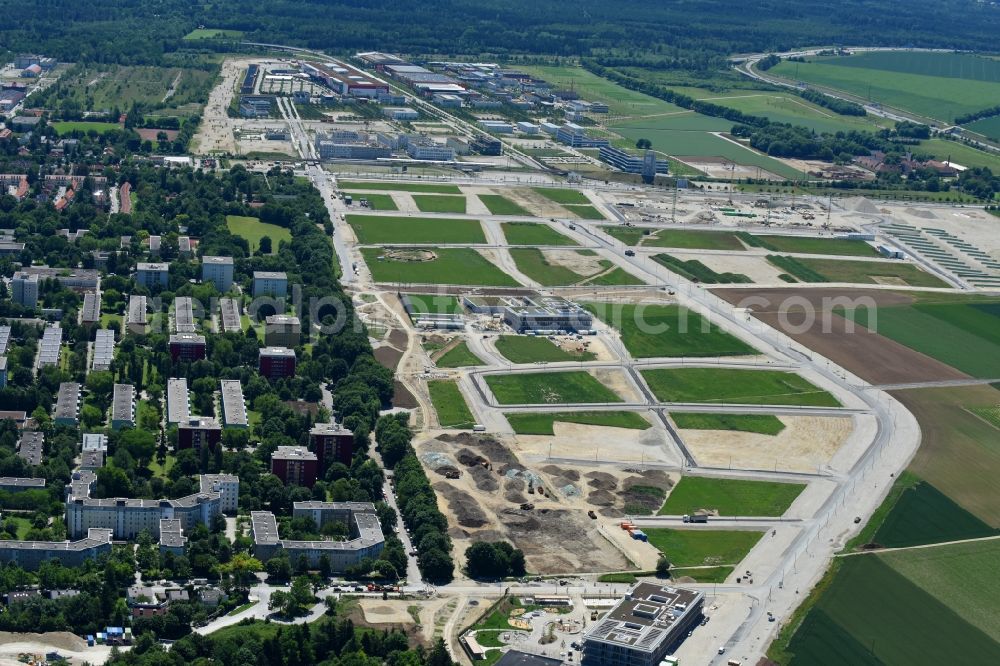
(695, 518)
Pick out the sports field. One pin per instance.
(498, 204)
(430, 188)
(460, 266)
(373, 229)
(729, 386)
(535, 349)
(533, 263)
(854, 272)
(459, 356)
(450, 405)
(653, 330)
(541, 388)
(698, 547)
(439, 203)
(541, 423)
(375, 201)
(933, 85)
(253, 230)
(815, 245)
(761, 424)
(65, 127)
(730, 497)
(532, 233)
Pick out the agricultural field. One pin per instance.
(698, 547)
(374, 229)
(730, 497)
(540, 388)
(199, 34)
(792, 109)
(854, 272)
(375, 201)
(988, 127)
(65, 127)
(537, 266)
(541, 423)
(922, 514)
(933, 85)
(728, 386)
(536, 349)
(435, 304)
(439, 203)
(459, 356)
(653, 331)
(498, 204)
(450, 405)
(429, 188)
(960, 153)
(253, 230)
(460, 266)
(533, 233)
(814, 245)
(761, 424)
(620, 101)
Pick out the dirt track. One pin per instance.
(872, 357)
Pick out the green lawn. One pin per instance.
(762, 424)
(854, 272)
(375, 201)
(533, 233)
(653, 331)
(253, 230)
(501, 205)
(533, 263)
(541, 423)
(814, 245)
(439, 203)
(460, 266)
(730, 497)
(585, 211)
(703, 574)
(372, 229)
(212, 33)
(458, 356)
(434, 304)
(694, 240)
(616, 276)
(562, 195)
(450, 405)
(23, 525)
(540, 388)
(699, 547)
(434, 188)
(65, 127)
(696, 271)
(535, 349)
(724, 385)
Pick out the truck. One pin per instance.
(695, 518)
(629, 253)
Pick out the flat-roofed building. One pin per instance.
(3, 372)
(643, 627)
(218, 271)
(94, 441)
(136, 319)
(227, 485)
(331, 443)
(123, 406)
(49, 346)
(198, 431)
(4, 339)
(178, 401)
(187, 347)
(24, 289)
(184, 315)
(152, 274)
(16, 484)
(78, 279)
(365, 534)
(270, 283)
(104, 349)
(172, 539)
(91, 460)
(91, 311)
(295, 465)
(67, 410)
(229, 313)
(234, 409)
(31, 447)
(29, 555)
(276, 362)
(282, 330)
(344, 79)
(184, 247)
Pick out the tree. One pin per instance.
(663, 567)
(265, 245)
(240, 570)
(643, 144)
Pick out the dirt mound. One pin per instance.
(410, 254)
(401, 396)
(467, 511)
(568, 474)
(448, 471)
(602, 481)
(921, 212)
(484, 479)
(514, 491)
(62, 640)
(498, 454)
(470, 458)
(861, 205)
(601, 498)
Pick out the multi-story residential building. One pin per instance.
(270, 283)
(49, 346)
(276, 362)
(136, 320)
(187, 347)
(123, 406)
(229, 314)
(366, 539)
(295, 465)
(31, 447)
(24, 289)
(178, 401)
(152, 274)
(29, 555)
(282, 331)
(234, 409)
(91, 311)
(218, 271)
(331, 443)
(67, 409)
(104, 349)
(227, 485)
(198, 431)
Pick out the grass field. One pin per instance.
(253, 230)
(549, 388)
(435, 304)
(375, 201)
(723, 385)
(923, 514)
(461, 266)
(535, 349)
(960, 153)
(616, 276)
(694, 240)
(458, 356)
(696, 271)
(697, 547)
(439, 203)
(933, 85)
(501, 205)
(730, 497)
(532, 233)
(788, 108)
(854, 272)
(988, 127)
(450, 405)
(584, 211)
(212, 33)
(65, 127)
(761, 424)
(372, 229)
(541, 423)
(814, 245)
(430, 188)
(562, 195)
(652, 331)
(533, 263)
(620, 101)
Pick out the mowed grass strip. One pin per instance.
(815, 245)
(726, 385)
(434, 304)
(253, 230)
(533, 233)
(431, 188)
(761, 424)
(459, 356)
(653, 331)
(536, 349)
(695, 240)
(67, 126)
(698, 547)
(439, 203)
(533, 263)
(458, 266)
(372, 229)
(542, 423)
(549, 388)
(498, 204)
(450, 405)
(730, 497)
(375, 201)
(585, 211)
(562, 195)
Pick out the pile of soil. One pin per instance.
(602, 481)
(514, 491)
(498, 455)
(465, 508)
(484, 479)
